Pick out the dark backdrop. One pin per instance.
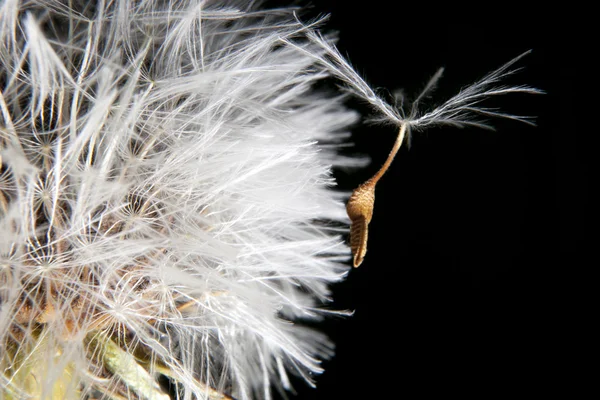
(464, 290)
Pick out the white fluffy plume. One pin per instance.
(161, 181)
(166, 202)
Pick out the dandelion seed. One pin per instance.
(460, 110)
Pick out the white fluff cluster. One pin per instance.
(166, 202)
(166, 185)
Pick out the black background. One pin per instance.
(476, 234)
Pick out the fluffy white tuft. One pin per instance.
(165, 189)
(463, 109)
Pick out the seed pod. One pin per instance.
(360, 210)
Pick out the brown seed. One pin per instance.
(362, 202)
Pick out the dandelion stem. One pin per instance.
(397, 144)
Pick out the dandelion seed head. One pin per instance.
(165, 192)
(167, 207)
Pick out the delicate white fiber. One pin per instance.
(166, 201)
(460, 110)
